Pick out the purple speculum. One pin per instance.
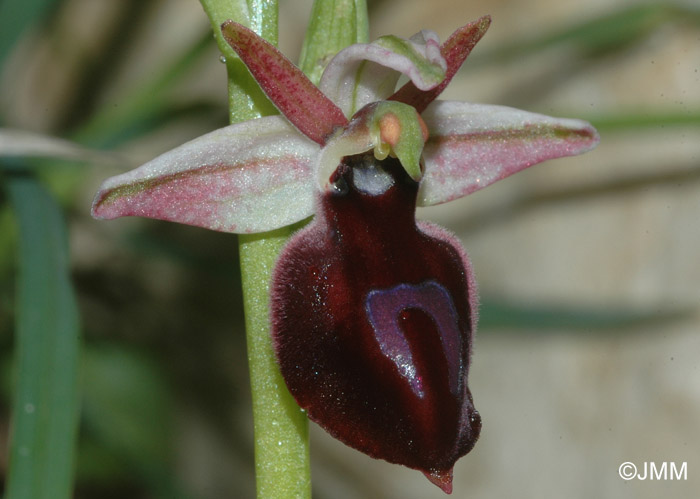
(373, 318)
(388, 309)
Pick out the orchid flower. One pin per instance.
(372, 313)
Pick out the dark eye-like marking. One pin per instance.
(384, 307)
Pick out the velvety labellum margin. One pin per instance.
(372, 322)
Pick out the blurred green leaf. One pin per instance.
(631, 121)
(126, 403)
(15, 143)
(137, 123)
(328, 33)
(7, 245)
(496, 314)
(15, 17)
(45, 405)
(128, 413)
(601, 34)
(146, 105)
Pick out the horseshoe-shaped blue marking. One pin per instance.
(383, 308)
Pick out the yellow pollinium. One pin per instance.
(398, 130)
(385, 128)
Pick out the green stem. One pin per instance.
(246, 100)
(281, 428)
(282, 466)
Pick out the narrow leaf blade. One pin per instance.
(16, 16)
(21, 143)
(333, 25)
(45, 406)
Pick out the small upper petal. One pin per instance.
(368, 72)
(474, 145)
(455, 51)
(249, 177)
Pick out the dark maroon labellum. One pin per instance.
(373, 316)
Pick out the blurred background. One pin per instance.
(588, 350)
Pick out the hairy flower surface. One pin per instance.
(372, 313)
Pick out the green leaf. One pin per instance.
(15, 17)
(333, 25)
(604, 33)
(128, 412)
(15, 143)
(621, 121)
(495, 314)
(144, 108)
(45, 405)
(126, 403)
